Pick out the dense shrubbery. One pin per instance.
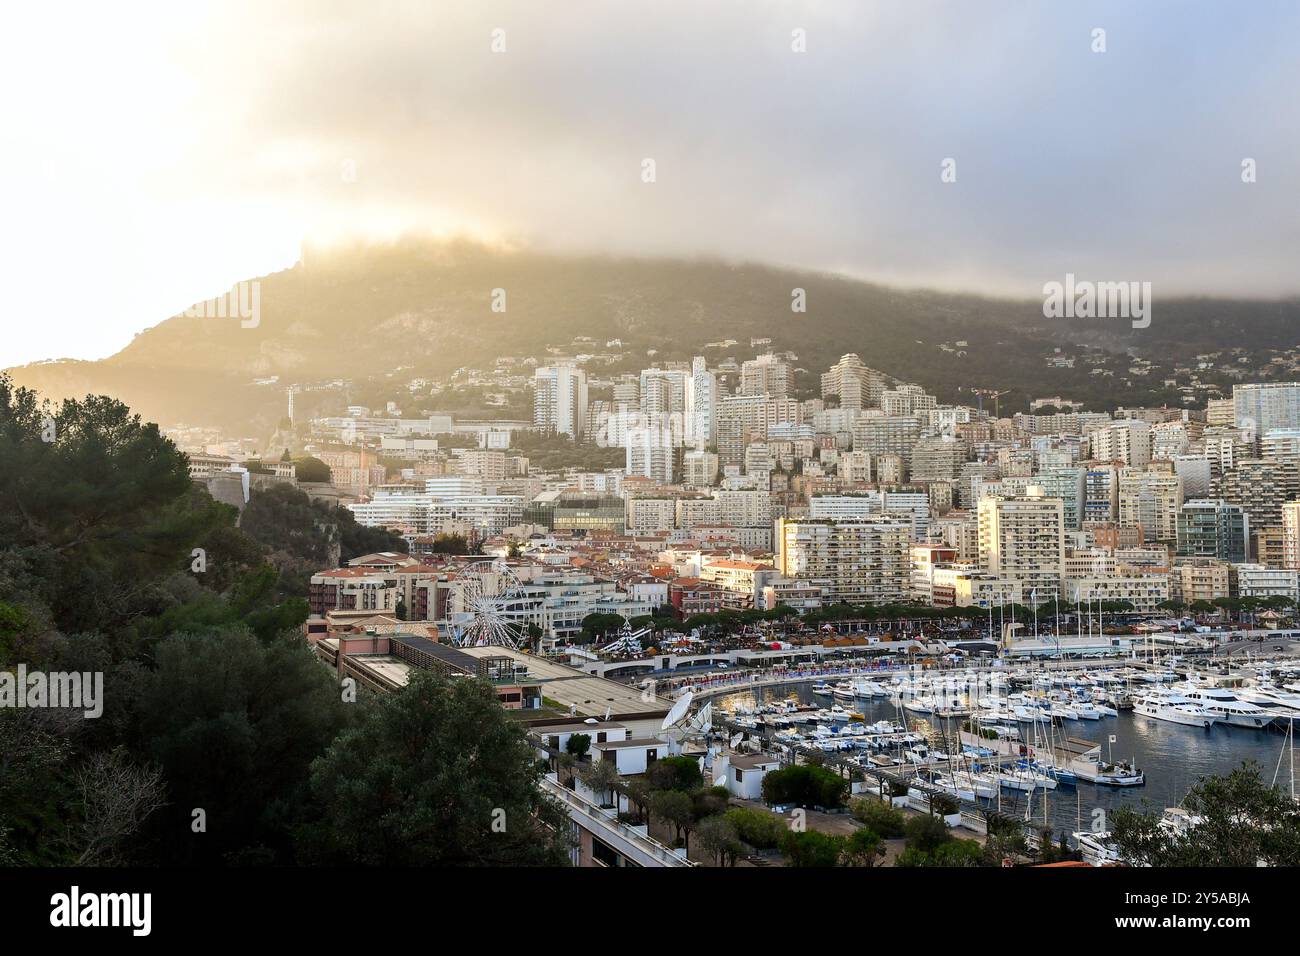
(762, 831)
(879, 816)
(805, 786)
(222, 740)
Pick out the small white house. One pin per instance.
(632, 755)
(558, 735)
(742, 774)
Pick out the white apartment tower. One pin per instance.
(560, 402)
(1128, 441)
(1024, 539)
(701, 405)
(765, 375)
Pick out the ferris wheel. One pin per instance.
(492, 607)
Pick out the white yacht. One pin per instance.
(1178, 822)
(867, 689)
(1283, 705)
(955, 785)
(843, 691)
(1230, 710)
(1024, 778)
(1175, 709)
(1086, 710)
(1091, 767)
(1096, 848)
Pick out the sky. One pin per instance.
(153, 154)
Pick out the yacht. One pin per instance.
(864, 690)
(1024, 778)
(843, 691)
(1096, 848)
(1086, 710)
(984, 784)
(1284, 706)
(1175, 709)
(823, 689)
(954, 785)
(1178, 822)
(1230, 710)
(1107, 773)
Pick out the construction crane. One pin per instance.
(993, 394)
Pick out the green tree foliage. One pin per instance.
(603, 778)
(717, 837)
(1240, 821)
(95, 505)
(113, 561)
(674, 807)
(423, 777)
(454, 544)
(709, 801)
(240, 746)
(550, 450)
(313, 470)
(676, 773)
(805, 786)
(926, 833)
(952, 853)
(811, 848)
(879, 816)
(864, 847)
(759, 829)
(303, 536)
(597, 625)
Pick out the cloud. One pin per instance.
(184, 151)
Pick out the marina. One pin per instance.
(1035, 744)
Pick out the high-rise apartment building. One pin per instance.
(765, 375)
(856, 562)
(1128, 441)
(1151, 500)
(701, 402)
(1213, 528)
(1264, 407)
(1024, 538)
(1291, 535)
(560, 402)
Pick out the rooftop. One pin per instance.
(589, 696)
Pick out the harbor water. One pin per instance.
(1173, 756)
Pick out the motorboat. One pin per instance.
(1175, 709)
(1102, 773)
(1087, 710)
(1231, 711)
(1096, 848)
(1179, 822)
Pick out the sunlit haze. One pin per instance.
(154, 155)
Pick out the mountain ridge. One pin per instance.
(359, 311)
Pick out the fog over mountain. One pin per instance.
(214, 137)
(363, 310)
